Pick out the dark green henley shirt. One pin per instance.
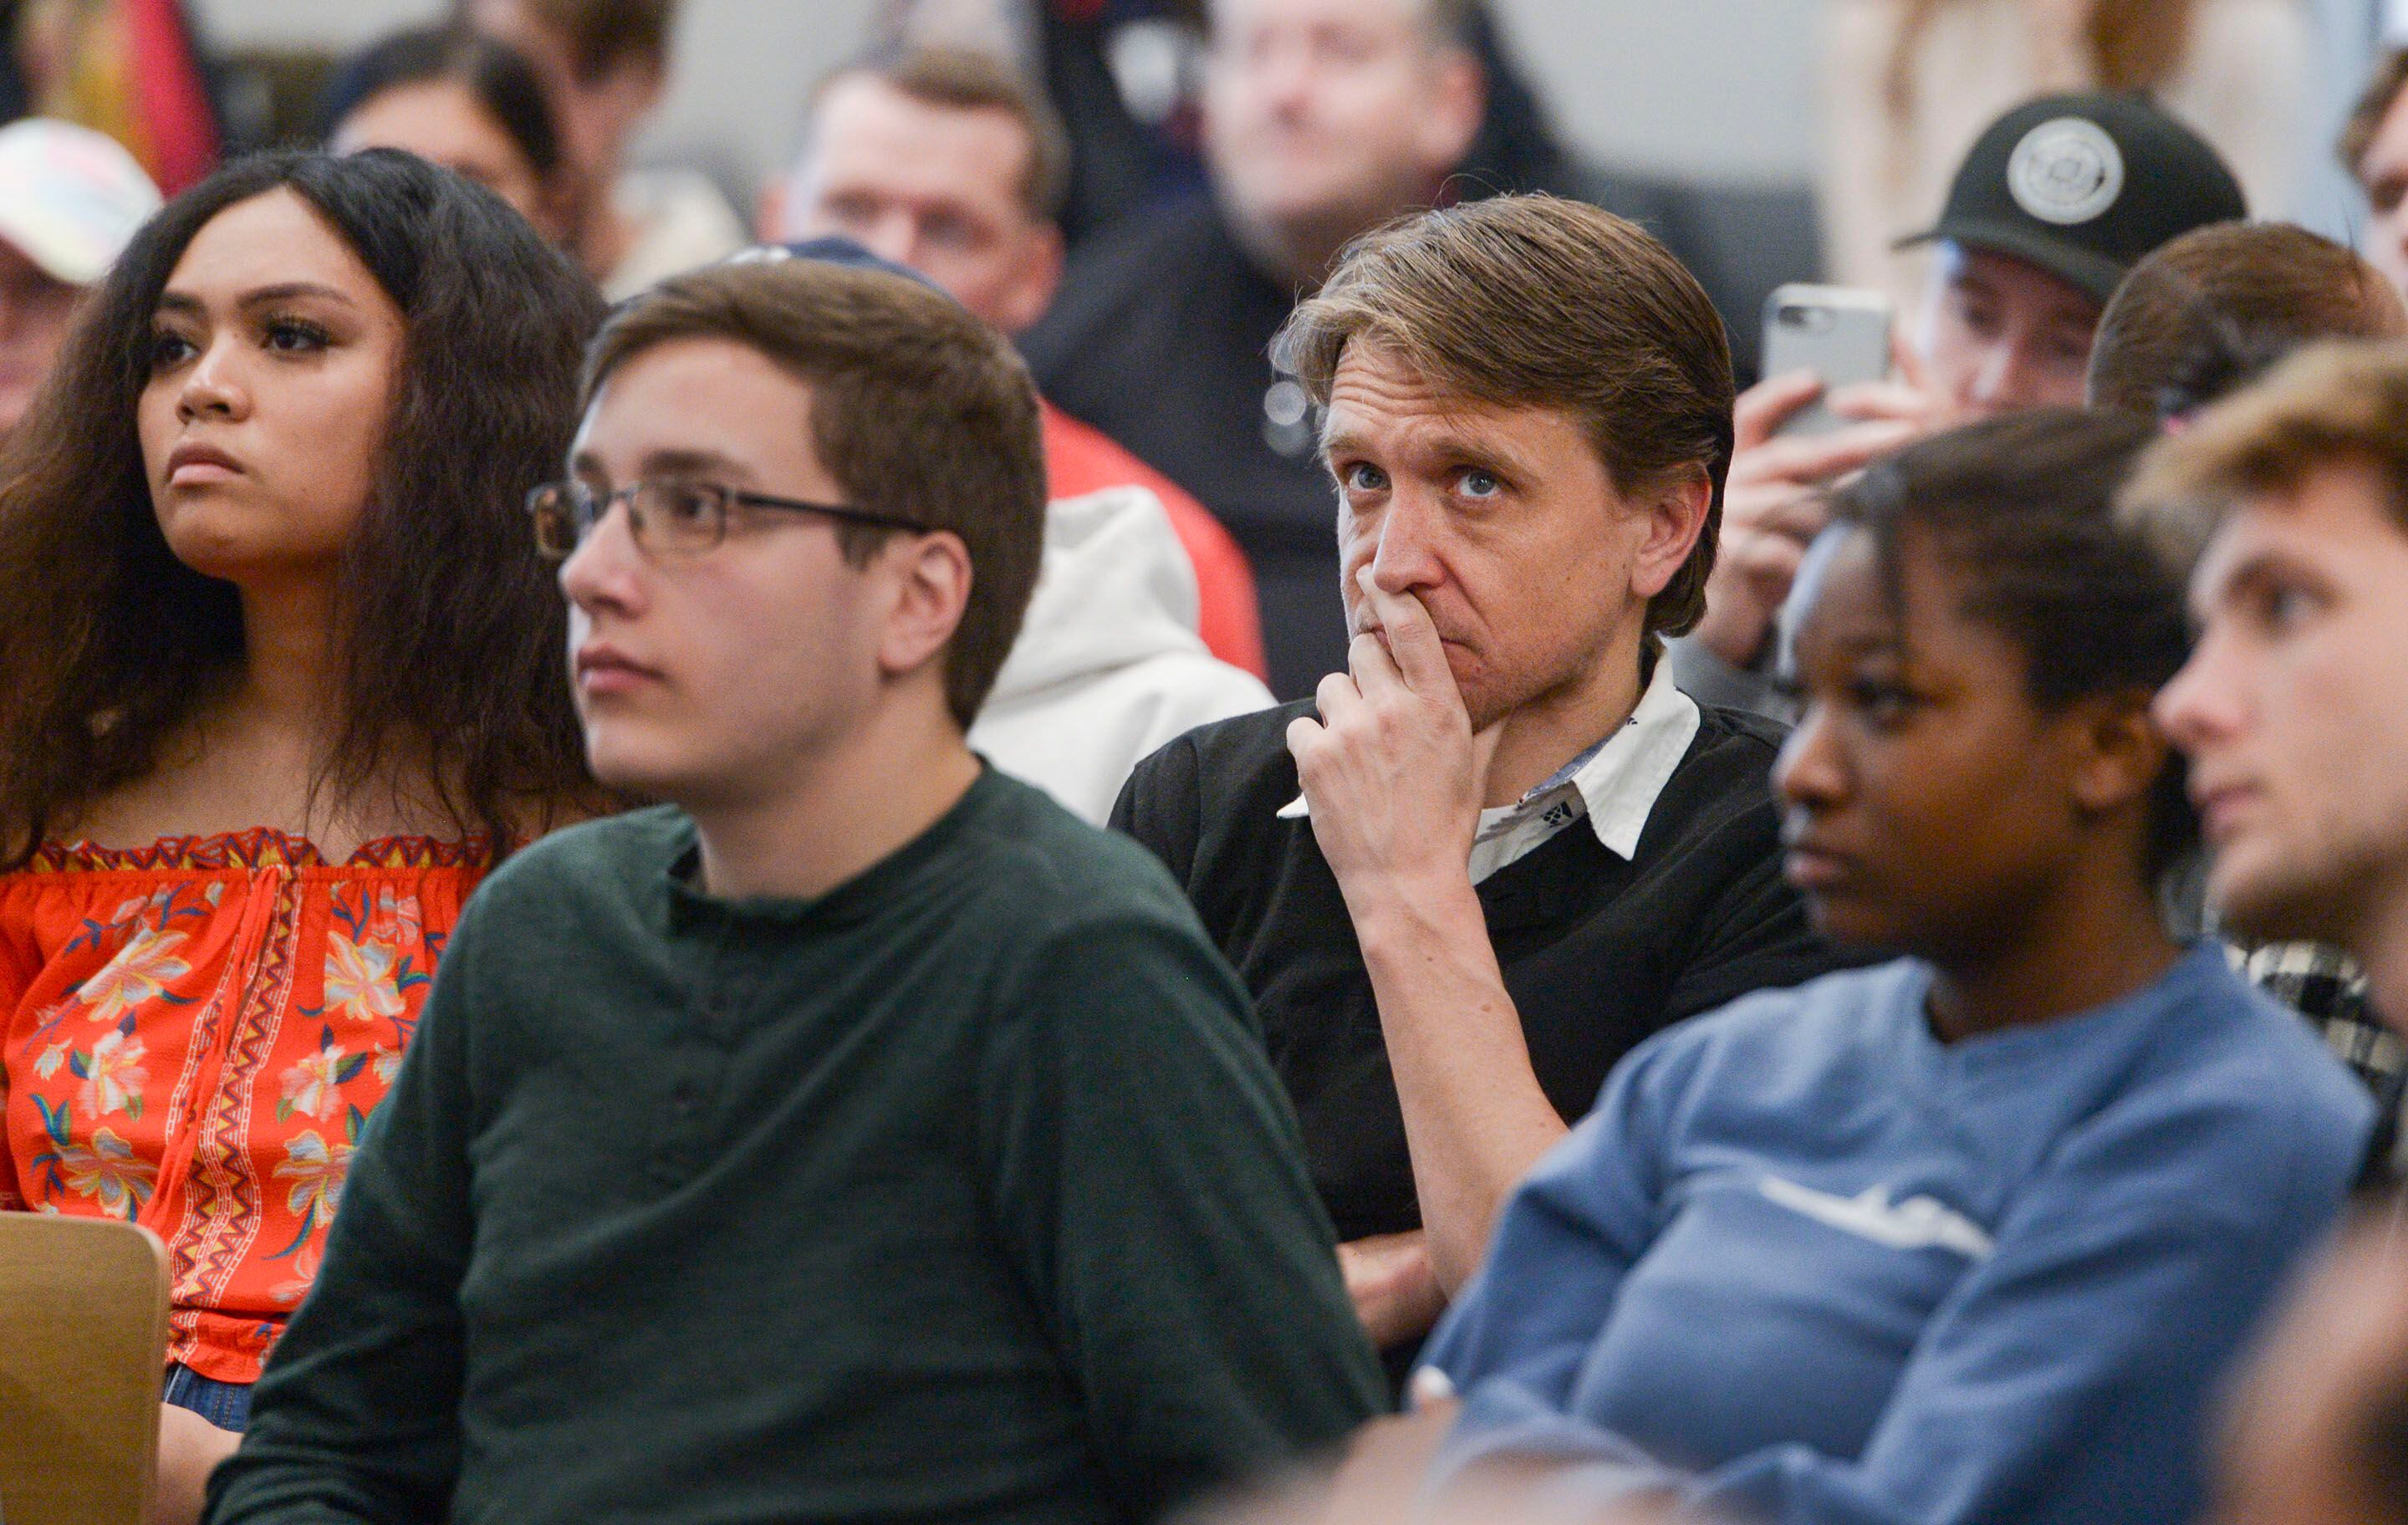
(963, 1192)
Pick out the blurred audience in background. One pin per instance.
(1128, 77)
(1323, 119)
(70, 199)
(2054, 203)
(130, 68)
(605, 64)
(1907, 85)
(947, 162)
(459, 99)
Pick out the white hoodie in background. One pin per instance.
(1108, 667)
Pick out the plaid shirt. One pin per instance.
(2324, 985)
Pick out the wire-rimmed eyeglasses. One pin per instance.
(668, 517)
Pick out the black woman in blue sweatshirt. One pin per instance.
(1970, 1236)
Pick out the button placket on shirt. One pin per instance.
(698, 1060)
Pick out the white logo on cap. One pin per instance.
(2066, 171)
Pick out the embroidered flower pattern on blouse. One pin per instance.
(316, 1170)
(369, 968)
(106, 1172)
(311, 1087)
(113, 1073)
(204, 1028)
(141, 972)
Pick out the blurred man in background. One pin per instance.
(2052, 206)
(946, 162)
(1323, 120)
(604, 63)
(69, 200)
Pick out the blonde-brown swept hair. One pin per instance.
(1531, 301)
(2342, 402)
(2204, 313)
(919, 410)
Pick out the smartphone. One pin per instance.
(1838, 333)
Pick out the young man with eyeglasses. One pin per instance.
(857, 1135)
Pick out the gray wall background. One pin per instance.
(1710, 90)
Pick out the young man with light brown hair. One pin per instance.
(1502, 847)
(857, 1136)
(2291, 499)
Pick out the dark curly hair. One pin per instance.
(2022, 510)
(451, 629)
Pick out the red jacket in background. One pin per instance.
(1081, 459)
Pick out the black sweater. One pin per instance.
(1597, 953)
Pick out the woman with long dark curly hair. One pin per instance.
(280, 680)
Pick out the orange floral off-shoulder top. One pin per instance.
(192, 1035)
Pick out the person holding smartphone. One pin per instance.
(2052, 206)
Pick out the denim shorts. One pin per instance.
(225, 1404)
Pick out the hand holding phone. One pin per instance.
(1839, 335)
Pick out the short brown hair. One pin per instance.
(2342, 402)
(918, 410)
(2374, 104)
(600, 34)
(1533, 301)
(2220, 304)
(967, 80)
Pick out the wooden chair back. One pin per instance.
(83, 1338)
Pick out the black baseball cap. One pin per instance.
(2084, 186)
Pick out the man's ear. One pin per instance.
(1676, 516)
(2119, 751)
(931, 582)
(1450, 116)
(1038, 275)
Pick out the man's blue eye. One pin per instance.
(1478, 484)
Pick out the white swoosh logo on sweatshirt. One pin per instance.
(1917, 1223)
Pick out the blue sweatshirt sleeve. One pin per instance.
(2069, 1378)
(1577, 1223)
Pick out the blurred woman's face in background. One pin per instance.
(442, 122)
